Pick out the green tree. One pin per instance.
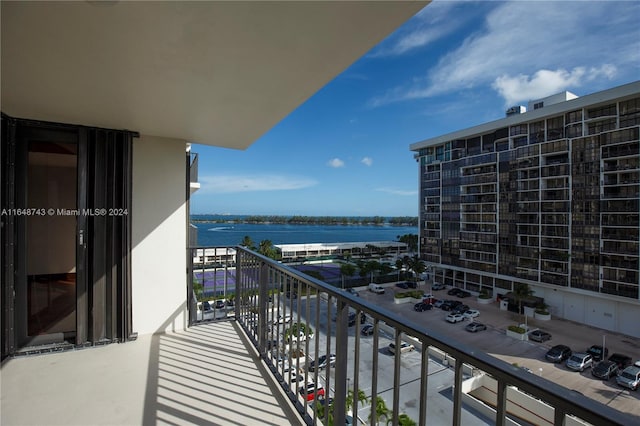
(267, 248)
(198, 290)
(347, 270)
(405, 420)
(296, 329)
(382, 412)
(320, 408)
(411, 240)
(248, 243)
(399, 266)
(521, 292)
(416, 265)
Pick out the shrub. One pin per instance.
(484, 294)
(542, 309)
(517, 329)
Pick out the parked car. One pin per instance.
(629, 378)
(428, 298)
(462, 294)
(411, 284)
(454, 318)
(367, 330)
(323, 361)
(539, 336)
(376, 288)
(454, 291)
(622, 360)
(558, 353)
(460, 309)
(310, 391)
(219, 304)
(471, 313)
(475, 327)
(421, 307)
(352, 318)
(579, 361)
(605, 370)
(402, 285)
(637, 363)
(404, 347)
(438, 303)
(352, 291)
(596, 352)
(450, 305)
(438, 286)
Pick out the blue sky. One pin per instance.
(454, 65)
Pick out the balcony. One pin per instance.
(239, 370)
(210, 374)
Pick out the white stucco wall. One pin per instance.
(597, 310)
(158, 235)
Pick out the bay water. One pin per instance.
(231, 234)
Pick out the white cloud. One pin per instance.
(335, 163)
(546, 82)
(521, 37)
(246, 183)
(367, 161)
(395, 191)
(430, 24)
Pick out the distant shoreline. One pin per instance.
(402, 221)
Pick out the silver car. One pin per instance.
(579, 361)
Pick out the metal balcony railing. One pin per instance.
(294, 320)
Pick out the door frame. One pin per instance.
(103, 242)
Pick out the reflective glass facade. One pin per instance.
(550, 198)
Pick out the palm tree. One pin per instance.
(411, 240)
(247, 242)
(347, 270)
(405, 420)
(362, 399)
(417, 266)
(399, 266)
(521, 292)
(268, 249)
(382, 411)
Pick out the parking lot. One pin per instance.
(529, 354)
(440, 397)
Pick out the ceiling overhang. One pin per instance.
(216, 73)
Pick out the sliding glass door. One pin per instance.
(66, 198)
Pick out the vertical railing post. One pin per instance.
(374, 373)
(424, 382)
(396, 378)
(238, 286)
(342, 346)
(501, 405)
(457, 393)
(191, 296)
(263, 300)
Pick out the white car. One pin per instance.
(471, 313)
(454, 318)
(404, 347)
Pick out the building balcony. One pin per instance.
(210, 374)
(240, 368)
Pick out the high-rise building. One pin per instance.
(547, 196)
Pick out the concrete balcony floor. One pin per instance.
(209, 374)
